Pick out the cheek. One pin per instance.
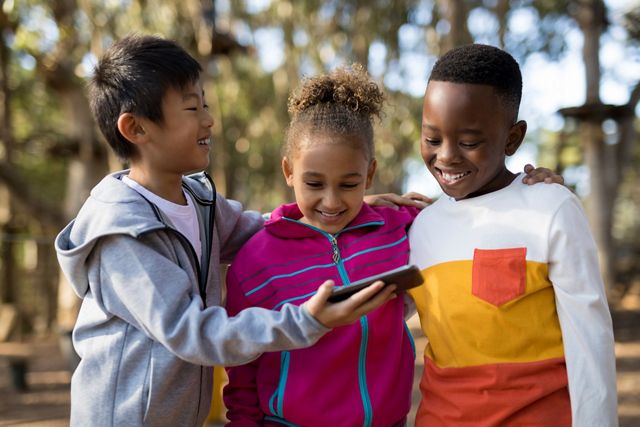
(425, 152)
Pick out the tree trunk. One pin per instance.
(90, 165)
(591, 16)
(7, 260)
(456, 13)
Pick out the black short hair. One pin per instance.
(484, 65)
(133, 76)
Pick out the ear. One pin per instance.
(287, 171)
(373, 165)
(515, 137)
(131, 128)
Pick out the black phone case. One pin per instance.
(404, 278)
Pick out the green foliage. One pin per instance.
(52, 45)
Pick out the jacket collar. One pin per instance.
(285, 222)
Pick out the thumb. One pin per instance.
(324, 291)
(316, 303)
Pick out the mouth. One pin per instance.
(205, 141)
(452, 178)
(330, 215)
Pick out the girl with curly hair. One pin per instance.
(359, 374)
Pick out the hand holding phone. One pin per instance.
(405, 277)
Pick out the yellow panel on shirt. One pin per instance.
(470, 322)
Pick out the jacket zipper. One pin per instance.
(364, 331)
(203, 279)
(364, 324)
(208, 233)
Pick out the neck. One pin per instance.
(500, 181)
(167, 186)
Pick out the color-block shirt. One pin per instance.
(515, 312)
(357, 375)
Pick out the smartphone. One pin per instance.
(405, 277)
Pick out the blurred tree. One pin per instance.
(607, 160)
(7, 217)
(253, 54)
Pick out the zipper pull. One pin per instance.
(334, 248)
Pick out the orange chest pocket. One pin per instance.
(499, 275)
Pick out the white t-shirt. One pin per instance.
(183, 217)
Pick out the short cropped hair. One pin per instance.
(344, 102)
(133, 76)
(484, 65)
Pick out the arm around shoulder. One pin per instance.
(234, 226)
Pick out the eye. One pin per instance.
(313, 184)
(470, 144)
(350, 185)
(432, 141)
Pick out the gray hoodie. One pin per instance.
(146, 339)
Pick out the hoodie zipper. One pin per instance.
(204, 278)
(208, 235)
(190, 249)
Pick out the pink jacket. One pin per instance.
(356, 375)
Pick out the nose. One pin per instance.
(207, 118)
(447, 152)
(331, 199)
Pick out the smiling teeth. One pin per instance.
(330, 214)
(454, 177)
(204, 141)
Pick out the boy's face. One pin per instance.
(466, 134)
(180, 143)
(329, 178)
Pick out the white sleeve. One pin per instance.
(584, 317)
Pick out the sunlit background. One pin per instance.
(582, 107)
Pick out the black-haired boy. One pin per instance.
(513, 304)
(145, 250)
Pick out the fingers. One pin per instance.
(365, 294)
(541, 175)
(557, 179)
(387, 293)
(528, 168)
(419, 199)
(393, 200)
(386, 200)
(351, 309)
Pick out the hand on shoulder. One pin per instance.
(411, 199)
(536, 175)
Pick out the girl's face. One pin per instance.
(329, 176)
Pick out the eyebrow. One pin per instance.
(189, 95)
(320, 175)
(465, 130)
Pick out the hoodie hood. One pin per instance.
(112, 208)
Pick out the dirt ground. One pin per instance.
(46, 402)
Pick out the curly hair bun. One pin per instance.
(350, 87)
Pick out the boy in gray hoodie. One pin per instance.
(144, 253)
